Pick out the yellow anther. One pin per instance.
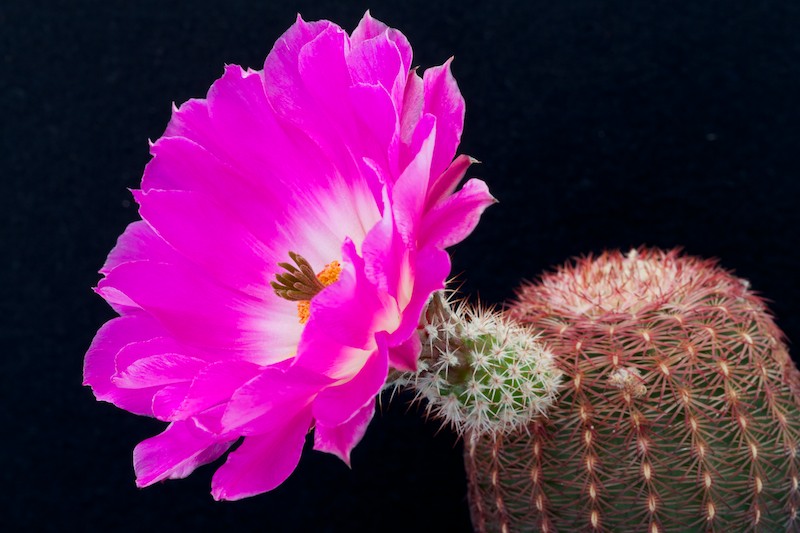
(330, 273)
(303, 310)
(327, 276)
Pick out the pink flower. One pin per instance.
(294, 226)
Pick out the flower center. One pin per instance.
(300, 284)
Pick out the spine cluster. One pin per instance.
(481, 372)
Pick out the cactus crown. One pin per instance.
(613, 285)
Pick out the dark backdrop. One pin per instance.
(599, 124)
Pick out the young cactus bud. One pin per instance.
(480, 372)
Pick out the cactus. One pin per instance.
(679, 409)
(480, 371)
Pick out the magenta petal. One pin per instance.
(189, 120)
(175, 453)
(384, 252)
(444, 185)
(337, 404)
(324, 356)
(138, 242)
(350, 310)
(262, 462)
(99, 365)
(214, 385)
(153, 363)
(408, 194)
(183, 165)
(189, 221)
(433, 266)
(368, 28)
(270, 400)
(379, 61)
(341, 439)
(404, 356)
(281, 74)
(413, 103)
(444, 101)
(456, 216)
(379, 125)
(161, 369)
(168, 399)
(198, 311)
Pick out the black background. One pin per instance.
(599, 124)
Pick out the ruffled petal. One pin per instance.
(100, 362)
(456, 216)
(262, 462)
(190, 221)
(341, 439)
(350, 310)
(189, 120)
(432, 266)
(157, 370)
(409, 192)
(413, 104)
(283, 82)
(339, 403)
(168, 399)
(378, 60)
(214, 385)
(175, 453)
(181, 164)
(404, 356)
(138, 243)
(271, 400)
(371, 29)
(199, 312)
(444, 101)
(447, 181)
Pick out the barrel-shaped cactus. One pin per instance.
(679, 408)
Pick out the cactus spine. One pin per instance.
(679, 409)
